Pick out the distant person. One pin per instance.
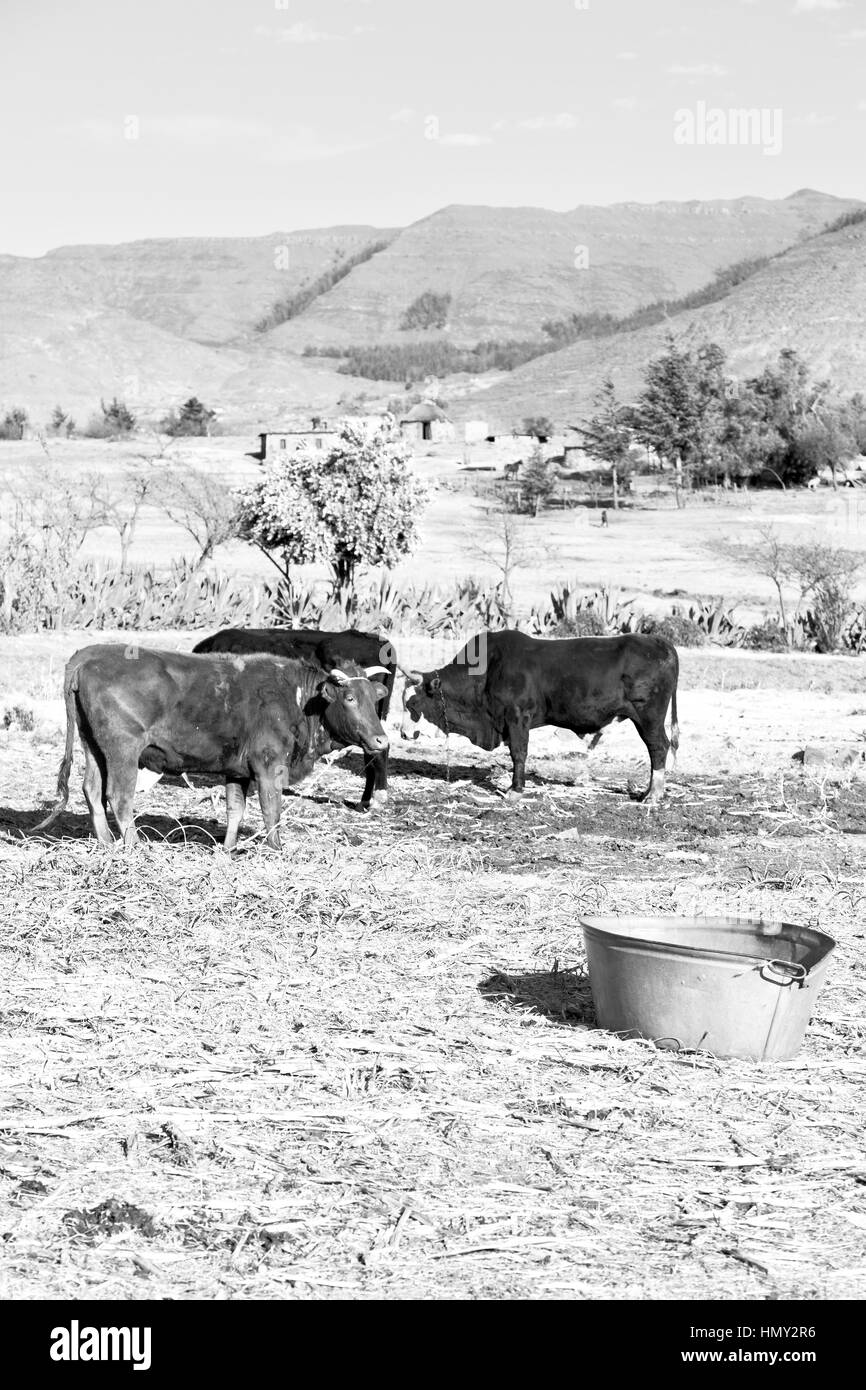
(603, 517)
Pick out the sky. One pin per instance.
(121, 120)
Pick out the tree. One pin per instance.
(606, 435)
(667, 416)
(119, 503)
(826, 574)
(816, 447)
(536, 482)
(356, 506)
(770, 556)
(538, 426)
(501, 542)
(14, 423)
(193, 418)
(429, 310)
(57, 511)
(118, 418)
(200, 504)
(748, 439)
(61, 422)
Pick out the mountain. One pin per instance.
(811, 298)
(157, 321)
(509, 269)
(209, 289)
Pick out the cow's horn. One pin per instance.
(414, 677)
(374, 670)
(339, 677)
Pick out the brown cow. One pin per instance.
(246, 717)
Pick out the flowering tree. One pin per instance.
(356, 505)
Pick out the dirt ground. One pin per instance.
(368, 1067)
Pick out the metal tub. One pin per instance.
(717, 984)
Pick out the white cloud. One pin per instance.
(257, 139)
(404, 115)
(854, 36)
(627, 56)
(463, 137)
(697, 70)
(565, 120)
(303, 32)
(624, 103)
(805, 6)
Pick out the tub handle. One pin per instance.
(783, 972)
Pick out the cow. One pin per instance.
(330, 650)
(245, 717)
(523, 683)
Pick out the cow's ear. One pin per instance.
(328, 691)
(379, 691)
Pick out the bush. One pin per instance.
(429, 310)
(21, 716)
(193, 419)
(584, 623)
(767, 636)
(114, 421)
(14, 423)
(677, 628)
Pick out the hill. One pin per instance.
(157, 321)
(812, 298)
(509, 269)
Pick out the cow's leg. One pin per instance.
(517, 737)
(657, 745)
(376, 780)
(94, 793)
(236, 804)
(270, 784)
(122, 777)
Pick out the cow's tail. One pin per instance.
(70, 689)
(675, 727)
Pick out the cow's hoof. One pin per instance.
(378, 802)
(514, 796)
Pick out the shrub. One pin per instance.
(717, 622)
(14, 423)
(21, 716)
(114, 421)
(193, 419)
(767, 636)
(429, 310)
(584, 623)
(677, 628)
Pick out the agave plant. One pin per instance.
(717, 621)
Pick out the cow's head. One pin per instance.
(422, 700)
(350, 709)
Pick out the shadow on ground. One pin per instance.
(563, 996)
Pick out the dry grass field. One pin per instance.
(367, 1067)
(650, 546)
